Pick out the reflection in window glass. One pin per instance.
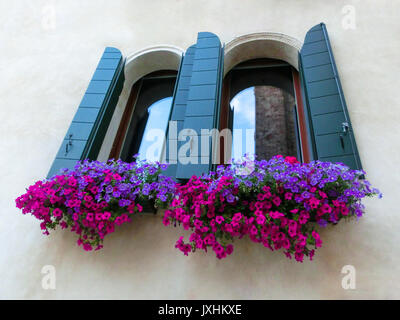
(263, 123)
(151, 100)
(158, 115)
(244, 123)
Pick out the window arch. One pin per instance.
(261, 69)
(261, 45)
(142, 67)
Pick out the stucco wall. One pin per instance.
(45, 69)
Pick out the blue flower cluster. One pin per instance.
(127, 182)
(302, 179)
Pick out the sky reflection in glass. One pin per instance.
(158, 119)
(244, 123)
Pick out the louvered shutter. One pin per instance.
(89, 125)
(178, 111)
(203, 101)
(329, 121)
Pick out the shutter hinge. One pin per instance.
(345, 128)
(69, 143)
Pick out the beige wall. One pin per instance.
(44, 74)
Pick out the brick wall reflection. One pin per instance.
(275, 124)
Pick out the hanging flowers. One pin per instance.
(96, 197)
(278, 203)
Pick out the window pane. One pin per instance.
(264, 123)
(157, 121)
(244, 112)
(151, 102)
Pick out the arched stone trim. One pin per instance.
(149, 60)
(261, 45)
(137, 65)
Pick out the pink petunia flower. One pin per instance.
(219, 219)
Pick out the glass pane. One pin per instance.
(243, 106)
(264, 123)
(156, 124)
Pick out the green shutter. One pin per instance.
(329, 121)
(178, 110)
(203, 100)
(90, 123)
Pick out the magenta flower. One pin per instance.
(276, 201)
(260, 220)
(276, 214)
(219, 219)
(57, 213)
(229, 249)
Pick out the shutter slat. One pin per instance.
(325, 100)
(201, 108)
(330, 145)
(325, 104)
(316, 60)
(89, 125)
(328, 123)
(92, 100)
(110, 64)
(101, 74)
(202, 92)
(98, 86)
(318, 73)
(311, 48)
(84, 114)
(204, 77)
(197, 123)
(79, 130)
(322, 88)
(206, 65)
(75, 150)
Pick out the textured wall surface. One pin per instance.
(45, 67)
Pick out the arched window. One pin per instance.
(259, 99)
(146, 114)
(265, 96)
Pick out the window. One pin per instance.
(259, 106)
(148, 109)
(311, 119)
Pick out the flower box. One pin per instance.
(279, 203)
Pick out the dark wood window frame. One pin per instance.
(128, 113)
(226, 117)
(301, 118)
